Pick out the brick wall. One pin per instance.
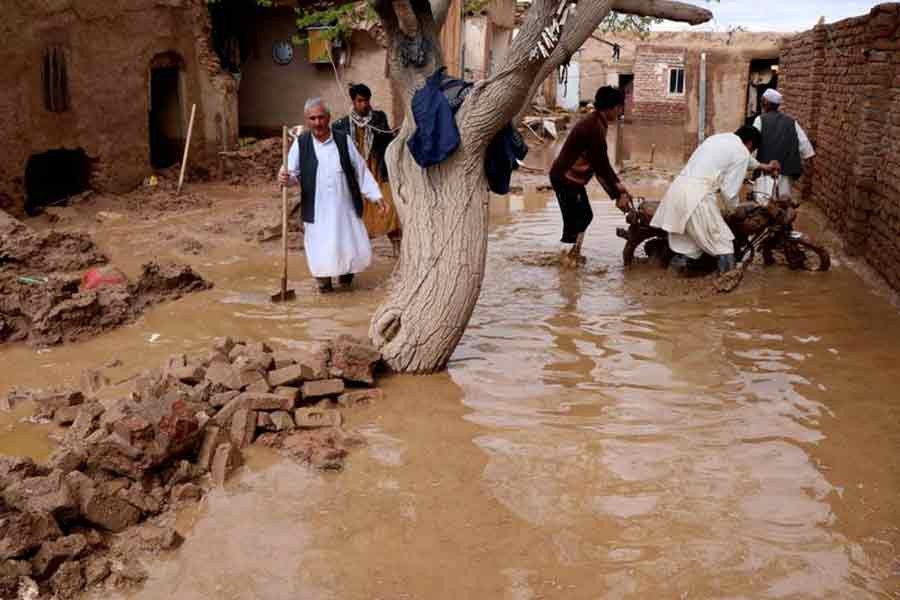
(652, 101)
(842, 83)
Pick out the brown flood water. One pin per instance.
(587, 442)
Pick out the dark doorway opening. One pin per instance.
(53, 176)
(763, 76)
(166, 117)
(626, 85)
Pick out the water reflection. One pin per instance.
(587, 442)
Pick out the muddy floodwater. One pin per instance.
(590, 440)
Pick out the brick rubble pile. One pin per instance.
(76, 522)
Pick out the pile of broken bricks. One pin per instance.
(121, 465)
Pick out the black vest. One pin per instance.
(780, 142)
(309, 166)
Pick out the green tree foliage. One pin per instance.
(340, 19)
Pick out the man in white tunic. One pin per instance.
(783, 140)
(334, 180)
(689, 211)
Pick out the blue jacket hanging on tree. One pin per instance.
(436, 136)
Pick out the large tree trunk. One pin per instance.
(444, 209)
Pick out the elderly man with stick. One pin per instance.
(334, 182)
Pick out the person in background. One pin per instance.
(370, 132)
(783, 140)
(583, 156)
(333, 180)
(690, 212)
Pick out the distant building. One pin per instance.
(660, 75)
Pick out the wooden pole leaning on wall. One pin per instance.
(187, 146)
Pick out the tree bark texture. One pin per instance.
(444, 209)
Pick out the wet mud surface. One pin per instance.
(593, 437)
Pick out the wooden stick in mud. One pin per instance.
(187, 146)
(284, 294)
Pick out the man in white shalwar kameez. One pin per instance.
(783, 140)
(689, 211)
(334, 181)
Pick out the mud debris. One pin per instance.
(43, 299)
(107, 493)
(253, 163)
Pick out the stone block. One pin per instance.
(265, 401)
(55, 552)
(43, 494)
(23, 532)
(223, 345)
(292, 394)
(243, 427)
(68, 581)
(99, 506)
(67, 459)
(214, 436)
(223, 417)
(96, 569)
(262, 386)
(48, 402)
(282, 420)
(291, 375)
(186, 492)
(358, 398)
(354, 359)
(314, 418)
(221, 399)
(191, 374)
(223, 375)
(318, 389)
(225, 461)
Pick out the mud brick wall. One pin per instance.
(109, 48)
(652, 101)
(842, 82)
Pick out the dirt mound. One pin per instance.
(43, 300)
(254, 163)
(162, 283)
(107, 494)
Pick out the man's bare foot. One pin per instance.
(571, 260)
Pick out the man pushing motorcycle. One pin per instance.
(689, 212)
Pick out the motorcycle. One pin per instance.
(765, 228)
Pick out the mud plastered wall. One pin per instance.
(108, 48)
(842, 82)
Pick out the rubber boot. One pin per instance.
(324, 285)
(678, 266)
(725, 262)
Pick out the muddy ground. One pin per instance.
(600, 431)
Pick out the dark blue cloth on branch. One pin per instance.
(436, 136)
(503, 154)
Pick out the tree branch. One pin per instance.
(440, 9)
(664, 9)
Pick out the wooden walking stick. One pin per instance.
(284, 293)
(187, 146)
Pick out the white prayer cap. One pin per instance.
(772, 95)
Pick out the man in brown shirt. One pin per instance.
(584, 156)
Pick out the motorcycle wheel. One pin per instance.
(802, 255)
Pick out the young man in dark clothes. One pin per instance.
(584, 156)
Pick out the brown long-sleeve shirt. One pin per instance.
(584, 155)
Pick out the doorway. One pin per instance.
(763, 76)
(166, 114)
(626, 86)
(53, 176)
